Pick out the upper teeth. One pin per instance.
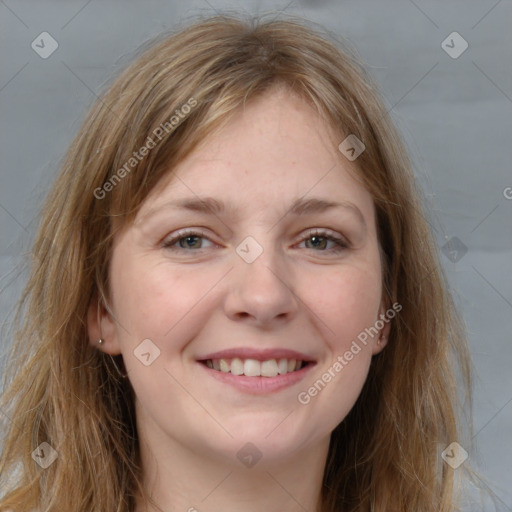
(255, 368)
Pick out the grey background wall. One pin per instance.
(453, 105)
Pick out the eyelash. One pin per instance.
(341, 244)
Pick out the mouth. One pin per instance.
(257, 372)
(254, 368)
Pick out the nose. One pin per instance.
(260, 292)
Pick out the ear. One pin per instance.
(382, 340)
(101, 324)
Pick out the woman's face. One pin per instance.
(260, 251)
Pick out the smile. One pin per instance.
(254, 368)
(257, 371)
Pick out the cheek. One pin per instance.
(159, 302)
(347, 302)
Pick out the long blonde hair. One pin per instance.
(385, 456)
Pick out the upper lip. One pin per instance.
(258, 354)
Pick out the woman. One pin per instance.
(235, 299)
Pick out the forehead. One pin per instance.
(269, 153)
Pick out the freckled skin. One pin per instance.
(190, 302)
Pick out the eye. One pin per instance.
(186, 239)
(320, 239)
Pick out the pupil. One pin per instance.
(318, 239)
(190, 240)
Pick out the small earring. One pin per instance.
(100, 341)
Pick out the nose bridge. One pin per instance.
(260, 285)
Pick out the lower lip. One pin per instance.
(259, 385)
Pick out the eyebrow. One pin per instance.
(300, 206)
